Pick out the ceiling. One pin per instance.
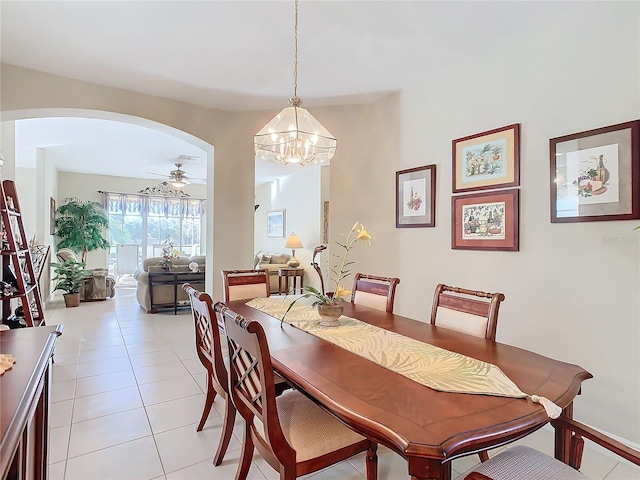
(236, 56)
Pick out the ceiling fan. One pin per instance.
(178, 177)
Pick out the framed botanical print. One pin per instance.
(595, 175)
(486, 221)
(275, 223)
(487, 160)
(416, 197)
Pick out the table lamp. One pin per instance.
(293, 242)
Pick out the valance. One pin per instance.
(130, 203)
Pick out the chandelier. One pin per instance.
(294, 135)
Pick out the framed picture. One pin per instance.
(275, 223)
(325, 222)
(485, 221)
(595, 175)
(52, 216)
(487, 160)
(416, 197)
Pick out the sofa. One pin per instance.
(272, 262)
(163, 295)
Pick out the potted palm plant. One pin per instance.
(70, 276)
(79, 226)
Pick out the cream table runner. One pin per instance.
(426, 364)
(6, 362)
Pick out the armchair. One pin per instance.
(98, 285)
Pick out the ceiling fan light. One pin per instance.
(178, 183)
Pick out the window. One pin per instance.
(149, 221)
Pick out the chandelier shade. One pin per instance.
(294, 135)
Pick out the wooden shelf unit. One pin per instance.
(16, 258)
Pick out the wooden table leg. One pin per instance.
(563, 437)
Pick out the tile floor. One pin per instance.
(128, 392)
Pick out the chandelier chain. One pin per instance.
(295, 52)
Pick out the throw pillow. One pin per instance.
(283, 258)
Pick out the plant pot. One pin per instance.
(330, 313)
(71, 299)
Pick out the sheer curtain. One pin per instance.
(151, 221)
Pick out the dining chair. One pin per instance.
(525, 463)
(375, 292)
(292, 433)
(462, 310)
(241, 284)
(209, 349)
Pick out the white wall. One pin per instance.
(572, 291)
(300, 196)
(28, 199)
(568, 77)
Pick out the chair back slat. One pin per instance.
(375, 292)
(241, 284)
(251, 380)
(463, 310)
(207, 335)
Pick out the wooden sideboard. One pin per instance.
(24, 402)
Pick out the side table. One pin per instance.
(284, 274)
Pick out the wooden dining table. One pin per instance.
(427, 427)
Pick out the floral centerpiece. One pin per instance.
(169, 253)
(330, 303)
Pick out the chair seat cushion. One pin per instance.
(309, 429)
(524, 463)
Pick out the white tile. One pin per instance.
(58, 443)
(624, 471)
(106, 403)
(133, 460)
(194, 365)
(63, 391)
(153, 358)
(113, 340)
(596, 465)
(101, 367)
(182, 447)
(102, 354)
(207, 471)
(340, 471)
(107, 431)
(104, 383)
(166, 390)
(60, 413)
(178, 413)
(157, 373)
(146, 347)
(201, 380)
(64, 373)
(56, 471)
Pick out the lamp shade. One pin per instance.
(293, 241)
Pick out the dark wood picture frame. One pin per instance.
(486, 221)
(52, 216)
(416, 197)
(595, 175)
(487, 160)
